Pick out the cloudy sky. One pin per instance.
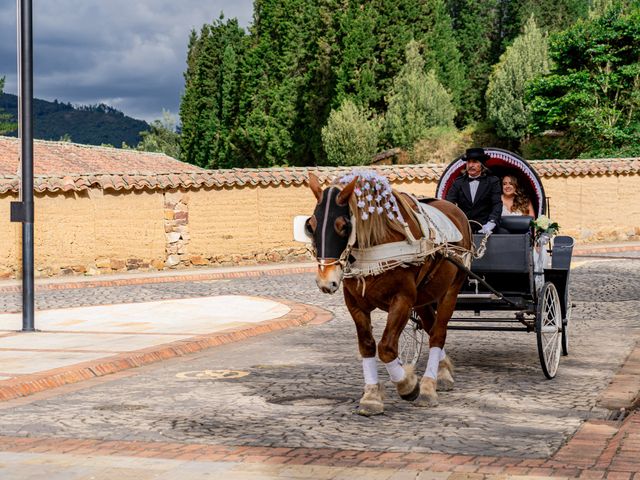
(129, 54)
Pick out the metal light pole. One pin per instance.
(22, 211)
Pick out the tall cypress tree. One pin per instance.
(276, 72)
(443, 56)
(205, 94)
(474, 27)
(355, 61)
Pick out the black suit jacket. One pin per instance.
(487, 204)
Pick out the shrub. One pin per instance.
(350, 137)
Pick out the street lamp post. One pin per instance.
(22, 211)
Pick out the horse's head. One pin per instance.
(330, 227)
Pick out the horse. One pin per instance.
(381, 215)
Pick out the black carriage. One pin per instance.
(519, 276)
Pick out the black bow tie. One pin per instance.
(474, 179)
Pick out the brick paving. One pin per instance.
(295, 407)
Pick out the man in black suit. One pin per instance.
(478, 193)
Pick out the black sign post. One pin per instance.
(22, 211)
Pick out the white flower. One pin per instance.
(365, 215)
(371, 209)
(543, 222)
(361, 204)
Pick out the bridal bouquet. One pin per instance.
(544, 227)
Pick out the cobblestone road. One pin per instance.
(303, 384)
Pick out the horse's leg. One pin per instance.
(427, 315)
(402, 375)
(372, 401)
(438, 363)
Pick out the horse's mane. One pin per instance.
(374, 230)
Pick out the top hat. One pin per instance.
(477, 154)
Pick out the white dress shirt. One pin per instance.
(473, 186)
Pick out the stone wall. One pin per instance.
(98, 231)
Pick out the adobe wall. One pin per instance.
(95, 231)
(595, 208)
(88, 232)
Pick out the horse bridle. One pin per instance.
(343, 259)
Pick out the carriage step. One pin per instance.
(487, 320)
(489, 296)
(488, 328)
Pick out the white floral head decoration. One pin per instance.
(373, 194)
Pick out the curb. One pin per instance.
(585, 250)
(300, 314)
(190, 277)
(623, 393)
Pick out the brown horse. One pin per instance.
(431, 288)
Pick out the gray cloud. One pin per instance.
(129, 54)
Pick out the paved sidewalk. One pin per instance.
(90, 341)
(75, 344)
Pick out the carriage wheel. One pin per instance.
(565, 325)
(412, 340)
(549, 329)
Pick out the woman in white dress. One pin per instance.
(514, 200)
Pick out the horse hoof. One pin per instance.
(428, 396)
(369, 412)
(409, 387)
(371, 402)
(445, 380)
(413, 395)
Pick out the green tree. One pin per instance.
(474, 28)
(161, 137)
(356, 67)
(417, 102)
(350, 136)
(372, 48)
(211, 100)
(553, 15)
(550, 15)
(593, 91)
(524, 60)
(6, 125)
(316, 95)
(277, 71)
(441, 55)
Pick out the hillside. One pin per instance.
(92, 125)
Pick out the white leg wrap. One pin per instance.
(396, 372)
(370, 370)
(436, 355)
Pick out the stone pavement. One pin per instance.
(280, 405)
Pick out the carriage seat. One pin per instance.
(518, 224)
